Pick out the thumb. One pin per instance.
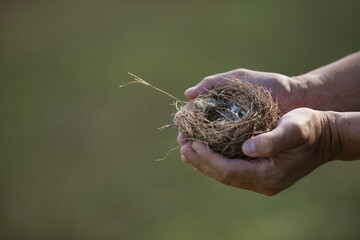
(282, 138)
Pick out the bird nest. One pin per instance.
(226, 116)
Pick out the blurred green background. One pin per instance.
(77, 152)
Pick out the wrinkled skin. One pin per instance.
(303, 140)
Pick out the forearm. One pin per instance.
(345, 135)
(333, 87)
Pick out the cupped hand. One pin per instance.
(303, 140)
(287, 91)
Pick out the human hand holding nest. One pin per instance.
(286, 90)
(298, 145)
(265, 174)
(303, 139)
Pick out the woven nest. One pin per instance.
(227, 116)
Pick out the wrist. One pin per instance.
(310, 92)
(348, 125)
(299, 86)
(331, 142)
(315, 93)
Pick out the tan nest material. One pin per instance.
(226, 116)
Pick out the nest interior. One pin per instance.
(227, 116)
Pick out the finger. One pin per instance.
(181, 139)
(285, 136)
(210, 82)
(242, 168)
(191, 157)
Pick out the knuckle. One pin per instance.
(270, 193)
(265, 145)
(196, 165)
(207, 79)
(240, 70)
(300, 130)
(204, 157)
(225, 180)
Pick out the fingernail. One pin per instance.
(195, 145)
(190, 89)
(183, 158)
(249, 148)
(182, 151)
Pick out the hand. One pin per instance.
(287, 91)
(303, 140)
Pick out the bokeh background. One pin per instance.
(77, 152)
